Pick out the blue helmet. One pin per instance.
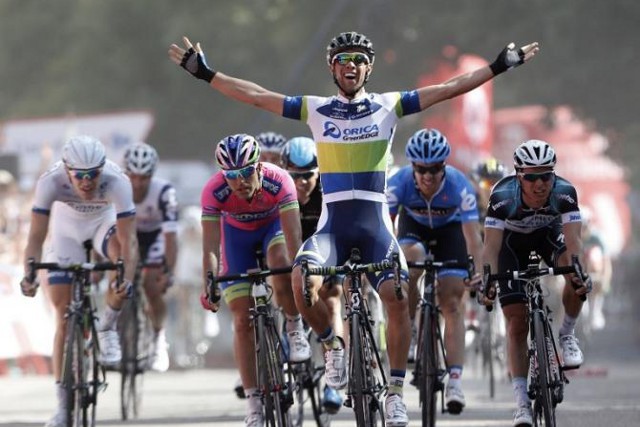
(300, 152)
(271, 142)
(237, 151)
(428, 146)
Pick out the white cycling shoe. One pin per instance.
(395, 411)
(571, 353)
(110, 351)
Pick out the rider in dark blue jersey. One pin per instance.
(534, 210)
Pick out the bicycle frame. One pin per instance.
(276, 391)
(546, 373)
(82, 375)
(431, 361)
(367, 379)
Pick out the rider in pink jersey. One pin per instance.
(251, 205)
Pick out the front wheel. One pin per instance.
(543, 408)
(132, 326)
(428, 370)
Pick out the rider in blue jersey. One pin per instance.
(353, 131)
(438, 214)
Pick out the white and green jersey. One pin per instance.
(353, 138)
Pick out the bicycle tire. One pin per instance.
(274, 388)
(544, 411)
(95, 385)
(73, 372)
(488, 357)
(357, 373)
(300, 379)
(132, 364)
(429, 365)
(320, 415)
(314, 383)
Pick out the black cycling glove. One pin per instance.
(508, 59)
(196, 64)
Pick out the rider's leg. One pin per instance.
(299, 348)
(244, 350)
(450, 297)
(517, 331)
(398, 331)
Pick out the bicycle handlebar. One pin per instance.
(351, 268)
(252, 274)
(532, 272)
(34, 266)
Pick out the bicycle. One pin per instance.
(273, 381)
(546, 376)
(367, 379)
(136, 334)
(488, 346)
(430, 366)
(82, 374)
(307, 379)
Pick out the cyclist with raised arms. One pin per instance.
(251, 204)
(534, 210)
(300, 159)
(353, 130)
(82, 197)
(157, 227)
(438, 214)
(271, 145)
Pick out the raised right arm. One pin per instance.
(193, 60)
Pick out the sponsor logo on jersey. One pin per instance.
(350, 134)
(271, 186)
(566, 197)
(222, 193)
(251, 216)
(574, 217)
(500, 204)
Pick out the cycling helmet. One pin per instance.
(237, 151)
(491, 169)
(428, 146)
(140, 159)
(349, 41)
(83, 152)
(534, 153)
(300, 152)
(271, 142)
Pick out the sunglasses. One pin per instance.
(89, 174)
(245, 172)
(307, 175)
(357, 58)
(433, 170)
(533, 177)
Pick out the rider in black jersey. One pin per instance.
(534, 210)
(300, 159)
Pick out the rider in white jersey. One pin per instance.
(157, 226)
(82, 197)
(353, 130)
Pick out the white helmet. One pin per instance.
(534, 153)
(140, 159)
(83, 152)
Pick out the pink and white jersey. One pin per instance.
(276, 194)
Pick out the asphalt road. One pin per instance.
(604, 392)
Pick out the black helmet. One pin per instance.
(490, 169)
(347, 41)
